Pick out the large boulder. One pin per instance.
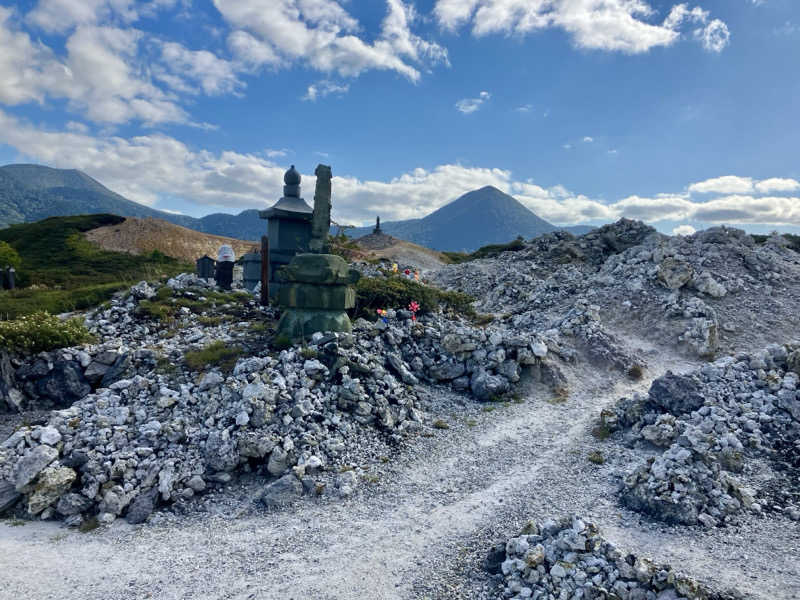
(9, 496)
(675, 273)
(29, 466)
(282, 491)
(487, 387)
(51, 484)
(676, 394)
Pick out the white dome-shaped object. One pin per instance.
(226, 254)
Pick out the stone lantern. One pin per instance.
(288, 226)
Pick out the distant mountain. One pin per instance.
(481, 217)
(486, 216)
(32, 192)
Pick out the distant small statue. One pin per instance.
(321, 219)
(377, 230)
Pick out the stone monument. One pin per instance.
(377, 230)
(288, 227)
(316, 287)
(321, 217)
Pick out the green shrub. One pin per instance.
(216, 354)
(398, 292)
(485, 251)
(71, 272)
(41, 332)
(596, 457)
(8, 256)
(24, 301)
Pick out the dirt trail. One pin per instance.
(413, 535)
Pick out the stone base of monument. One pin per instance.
(315, 294)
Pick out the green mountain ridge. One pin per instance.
(33, 192)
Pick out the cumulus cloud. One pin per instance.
(728, 184)
(612, 25)
(325, 88)
(776, 184)
(183, 69)
(588, 140)
(470, 105)
(525, 108)
(715, 36)
(684, 230)
(324, 36)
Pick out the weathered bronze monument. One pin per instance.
(316, 287)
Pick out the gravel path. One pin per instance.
(420, 531)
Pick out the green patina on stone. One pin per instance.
(308, 295)
(323, 269)
(316, 293)
(299, 324)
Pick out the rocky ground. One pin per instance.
(405, 460)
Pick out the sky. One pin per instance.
(684, 115)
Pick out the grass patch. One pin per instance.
(61, 271)
(560, 395)
(596, 457)
(485, 251)
(489, 408)
(17, 523)
(398, 292)
(217, 354)
(210, 321)
(601, 432)
(308, 353)
(635, 372)
(482, 320)
(439, 424)
(794, 240)
(41, 332)
(89, 525)
(471, 422)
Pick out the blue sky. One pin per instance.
(680, 114)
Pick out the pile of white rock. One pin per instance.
(162, 431)
(681, 286)
(715, 424)
(568, 558)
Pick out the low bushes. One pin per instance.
(373, 293)
(41, 332)
(217, 354)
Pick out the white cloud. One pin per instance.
(185, 68)
(146, 168)
(728, 184)
(59, 16)
(683, 230)
(470, 105)
(715, 36)
(525, 108)
(567, 146)
(324, 36)
(100, 75)
(612, 25)
(777, 184)
(325, 88)
(276, 153)
(588, 140)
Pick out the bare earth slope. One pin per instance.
(141, 236)
(401, 252)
